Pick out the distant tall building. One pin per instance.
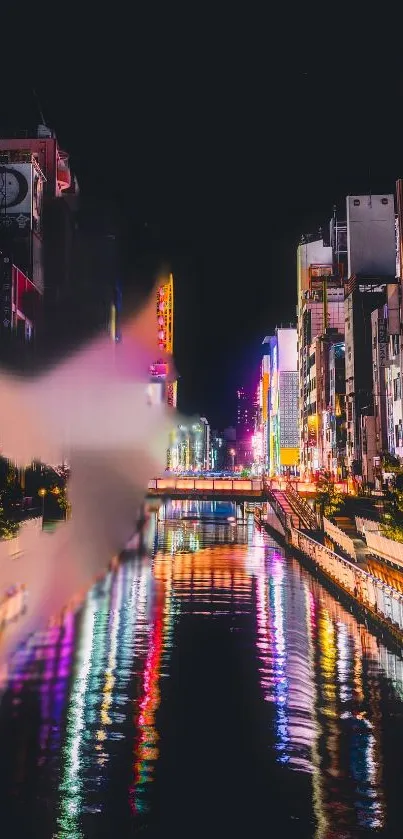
(217, 452)
(189, 449)
(245, 422)
(244, 414)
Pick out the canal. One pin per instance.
(213, 688)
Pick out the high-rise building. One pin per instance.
(245, 423)
(217, 452)
(244, 414)
(205, 444)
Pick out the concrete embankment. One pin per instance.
(383, 626)
(377, 603)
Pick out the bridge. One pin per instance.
(290, 508)
(208, 488)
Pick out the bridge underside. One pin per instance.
(177, 494)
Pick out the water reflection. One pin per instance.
(115, 715)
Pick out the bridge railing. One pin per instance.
(301, 507)
(206, 485)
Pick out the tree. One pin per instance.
(329, 495)
(8, 527)
(62, 498)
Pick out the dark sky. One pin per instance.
(229, 139)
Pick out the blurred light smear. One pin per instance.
(91, 410)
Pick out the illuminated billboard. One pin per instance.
(21, 188)
(165, 306)
(282, 384)
(159, 370)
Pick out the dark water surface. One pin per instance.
(217, 690)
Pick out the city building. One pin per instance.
(206, 443)
(337, 409)
(281, 421)
(380, 370)
(264, 390)
(320, 313)
(189, 449)
(37, 219)
(244, 414)
(245, 420)
(217, 452)
(326, 409)
(371, 242)
(20, 309)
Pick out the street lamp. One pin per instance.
(42, 492)
(232, 453)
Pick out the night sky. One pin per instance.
(213, 151)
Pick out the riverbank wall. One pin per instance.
(375, 601)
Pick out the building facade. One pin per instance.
(371, 237)
(189, 448)
(276, 435)
(320, 313)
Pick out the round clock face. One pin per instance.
(13, 187)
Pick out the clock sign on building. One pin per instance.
(21, 188)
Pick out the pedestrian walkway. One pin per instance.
(286, 507)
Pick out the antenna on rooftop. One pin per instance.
(38, 104)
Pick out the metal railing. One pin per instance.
(367, 589)
(301, 507)
(364, 526)
(207, 484)
(340, 538)
(387, 549)
(283, 516)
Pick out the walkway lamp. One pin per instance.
(42, 492)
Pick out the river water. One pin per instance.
(213, 689)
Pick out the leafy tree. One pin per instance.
(61, 495)
(329, 496)
(390, 463)
(8, 527)
(392, 517)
